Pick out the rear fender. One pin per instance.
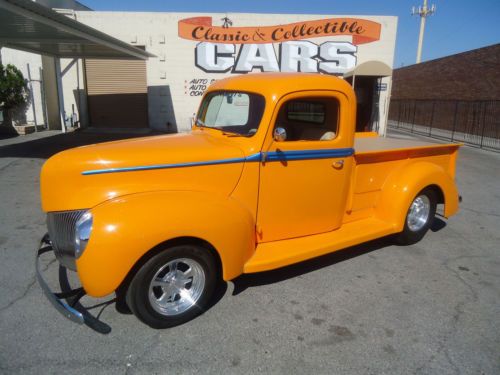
(126, 228)
(405, 183)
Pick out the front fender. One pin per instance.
(126, 228)
(404, 184)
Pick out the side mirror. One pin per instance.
(279, 135)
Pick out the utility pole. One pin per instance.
(423, 12)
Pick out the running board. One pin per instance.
(276, 254)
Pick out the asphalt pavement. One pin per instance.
(430, 308)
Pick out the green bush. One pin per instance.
(13, 90)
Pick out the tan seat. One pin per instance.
(317, 134)
(328, 136)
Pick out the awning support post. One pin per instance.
(32, 96)
(60, 94)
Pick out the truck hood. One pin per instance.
(83, 177)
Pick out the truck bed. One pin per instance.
(371, 144)
(371, 149)
(376, 158)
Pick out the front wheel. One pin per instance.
(173, 286)
(419, 217)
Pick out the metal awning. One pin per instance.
(31, 27)
(370, 68)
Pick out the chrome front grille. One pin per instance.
(61, 226)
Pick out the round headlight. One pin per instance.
(82, 233)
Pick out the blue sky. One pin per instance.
(457, 26)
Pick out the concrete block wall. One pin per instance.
(75, 98)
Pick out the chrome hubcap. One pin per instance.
(177, 286)
(419, 213)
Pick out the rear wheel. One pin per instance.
(419, 217)
(173, 286)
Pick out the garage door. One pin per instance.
(117, 93)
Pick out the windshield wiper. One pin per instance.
(198, 122)
(224, 132)
(232, 134)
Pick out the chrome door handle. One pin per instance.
(339, 164)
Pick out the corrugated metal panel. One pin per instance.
(117, 93)
(116, 77)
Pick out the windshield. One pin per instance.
(238, 113)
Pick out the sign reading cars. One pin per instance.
(296, 56)
(217, 50)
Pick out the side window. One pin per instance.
(309, 119)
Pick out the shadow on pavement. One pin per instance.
(246, 281)
(43, 148)
(8, 135)
(438, 224)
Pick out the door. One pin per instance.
(304, 178)
(117, 93)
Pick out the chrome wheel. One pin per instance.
(176, 286)
(418, 214)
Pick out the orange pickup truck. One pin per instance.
(271, 174)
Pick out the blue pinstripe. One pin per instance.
(270, 156)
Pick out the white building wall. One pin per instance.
(74, 90)
(21, 60)
(169, 74)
